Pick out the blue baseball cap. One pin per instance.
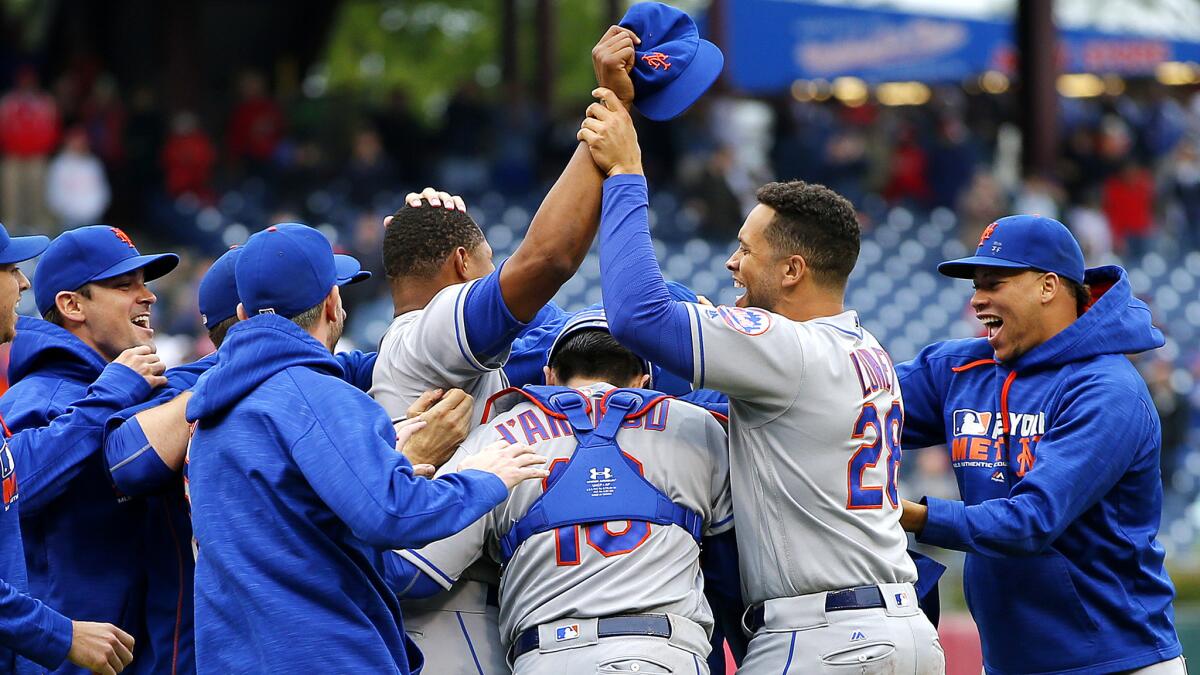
(588, 319)
(1023, 242)
(289, 268)
(674, 67)
(92, 253)
(218, 296)
(19, 249)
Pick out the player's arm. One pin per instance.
(565, 224)
(924, 398)
(145, 451)
(1078, 461)
(375, 491)
(49, 456)
(691, 340)
(33, 630)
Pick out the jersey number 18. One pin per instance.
(887, 436)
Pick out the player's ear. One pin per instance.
(795, 269)
(241, 312)
(643, 382)
(69, 306)
(333, 303)
(460, 259)
(1051, 285)
(549, 375)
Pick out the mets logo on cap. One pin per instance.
(987, 234)
(8, 475)
(122, 236)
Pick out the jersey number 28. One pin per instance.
(887, 436)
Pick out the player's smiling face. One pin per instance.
(118, 314)
(1007, 303)
(755, 264)
(12, 284)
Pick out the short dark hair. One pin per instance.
(419, 239)
(217, 332)
(54, 316)
(1082, 294)
(308, 318)
(815, 222)
(595, 353)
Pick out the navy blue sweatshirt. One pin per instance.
(296, 491)
(1057, 460)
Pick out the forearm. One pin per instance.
(33, 630)
(50, 456)
(641, 313)
(558, 239)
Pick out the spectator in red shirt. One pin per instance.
(256, 125)
(188, 158)
(29, 130)
(1129, 205)
(908, 180)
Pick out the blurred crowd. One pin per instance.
(82, 148)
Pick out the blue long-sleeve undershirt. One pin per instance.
(641, 313)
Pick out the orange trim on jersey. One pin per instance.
(1004, 402)
(487, 408)
(721, 417)
(968, 366)
(7, 432)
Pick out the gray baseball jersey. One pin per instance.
(815, 420)
(682, 451)
(427, 349)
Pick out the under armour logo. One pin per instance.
(597, 474)
(122, 236)
(657, 60)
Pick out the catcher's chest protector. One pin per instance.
(599, 482)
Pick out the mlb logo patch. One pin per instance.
(902, 599)
(972, 423)
(563, 633)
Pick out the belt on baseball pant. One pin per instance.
(644, 625)
(859, 597)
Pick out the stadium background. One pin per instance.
(193, 124)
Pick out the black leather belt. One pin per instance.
(861, 597)
(646, 625)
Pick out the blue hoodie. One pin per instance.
(296, 491)
(1057, 460)
(169, 562)
(76, 528)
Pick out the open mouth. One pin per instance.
(992, 323)
(141, 321)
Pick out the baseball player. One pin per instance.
(1055, 442)
(289, 527)
(144, 447)
(601, 560)
(815, 415)
(90, 288)
(34, 637)
(456, 318)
